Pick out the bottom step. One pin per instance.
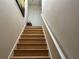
(31, 52)
(30, 57)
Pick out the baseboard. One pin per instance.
(47, 43)
(16, 42)
(53, 38)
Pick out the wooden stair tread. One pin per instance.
(31, 57)
(32, 29)
(32, 38)
(31, 49)
(25, 39)
(32, 41)
(35, 35)
(32, 32)
(31, 52)
(31, 45)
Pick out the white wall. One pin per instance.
(62, 17)
(34, 12)
(11, 24)
(35, 15)
(34, 2)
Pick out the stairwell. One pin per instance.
(31, 45)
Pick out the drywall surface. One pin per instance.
(62, 17)
(34, 2)
(51, 46)
(11, 24)
(35, 15)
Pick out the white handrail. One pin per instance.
(53, 38)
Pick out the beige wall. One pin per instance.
(62, 18)
(51, 46)
(34, 2)
(11, 24)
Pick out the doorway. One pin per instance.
(34, 15)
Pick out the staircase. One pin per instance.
(31, 45)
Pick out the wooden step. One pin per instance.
(31, 52)
(32, 38)
(30, 41)
(31, 46)
(30, 57)
(32, 35)
(32, 32)
(33, 27)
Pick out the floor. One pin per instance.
(35, 15)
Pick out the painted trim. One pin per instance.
(47, 43)
(16, 42)
(53, 38)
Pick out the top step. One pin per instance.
(33, 27)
